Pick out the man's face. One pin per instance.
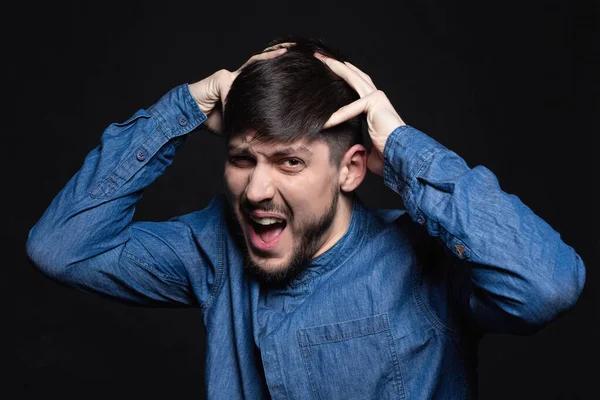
(285, 199)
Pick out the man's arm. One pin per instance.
(86, 238)
(521, 275)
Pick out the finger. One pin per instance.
(355, 81)
(224, 92)
(358, 71)
(375, 163)
(347, 112)
(214, 121)
(278, 46)
(264, 56)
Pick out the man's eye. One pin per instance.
(241, 161)
(292, 164)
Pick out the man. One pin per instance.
(304, 291)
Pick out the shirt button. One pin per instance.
(140, 155)
(182, 120)
(420, 219)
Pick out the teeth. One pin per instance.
(266, 221)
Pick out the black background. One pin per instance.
(505, 85)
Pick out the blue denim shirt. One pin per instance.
(393, 310)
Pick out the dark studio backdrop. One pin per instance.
(507, 86)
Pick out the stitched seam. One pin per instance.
(344, 339)
(307, 361)
(305, 347)
(397, 371)
(220, 270)
(472, 255)
(281, 380)
(160, 121)
(132, 118)
(429, 315)
(161, 240)
(425, 161)
(153, 270)
(113, 175)
(103, 182)
(353, 335)
(193, 104)
(407, 188)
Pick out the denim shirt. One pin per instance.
(393, 310)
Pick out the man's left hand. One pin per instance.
(381, 116)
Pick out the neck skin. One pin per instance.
(340, 223)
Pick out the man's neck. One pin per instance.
(340, 223)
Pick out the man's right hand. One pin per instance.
(210, 93)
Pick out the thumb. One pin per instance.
(214, 122)
(375, 162)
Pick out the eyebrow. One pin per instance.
(278, 152)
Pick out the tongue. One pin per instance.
(270, 232)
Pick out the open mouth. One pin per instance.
(265, 231)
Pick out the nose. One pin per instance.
(260, 186)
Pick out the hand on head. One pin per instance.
(211, 92)
(381, 116)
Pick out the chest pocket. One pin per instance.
(352, 360)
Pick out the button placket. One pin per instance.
(271, 367)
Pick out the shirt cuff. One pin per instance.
(177, 112)
(407, 151)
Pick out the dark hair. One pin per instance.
(290, 97)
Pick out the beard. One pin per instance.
(309, 237)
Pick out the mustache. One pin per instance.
(266, 206)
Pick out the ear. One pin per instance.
(353, 168)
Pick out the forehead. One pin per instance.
(247, 142)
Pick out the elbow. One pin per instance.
(557, 301)
(573, 284)
(568, 280)
(553, 297)
(43, 254)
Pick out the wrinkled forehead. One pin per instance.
(251, 140)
